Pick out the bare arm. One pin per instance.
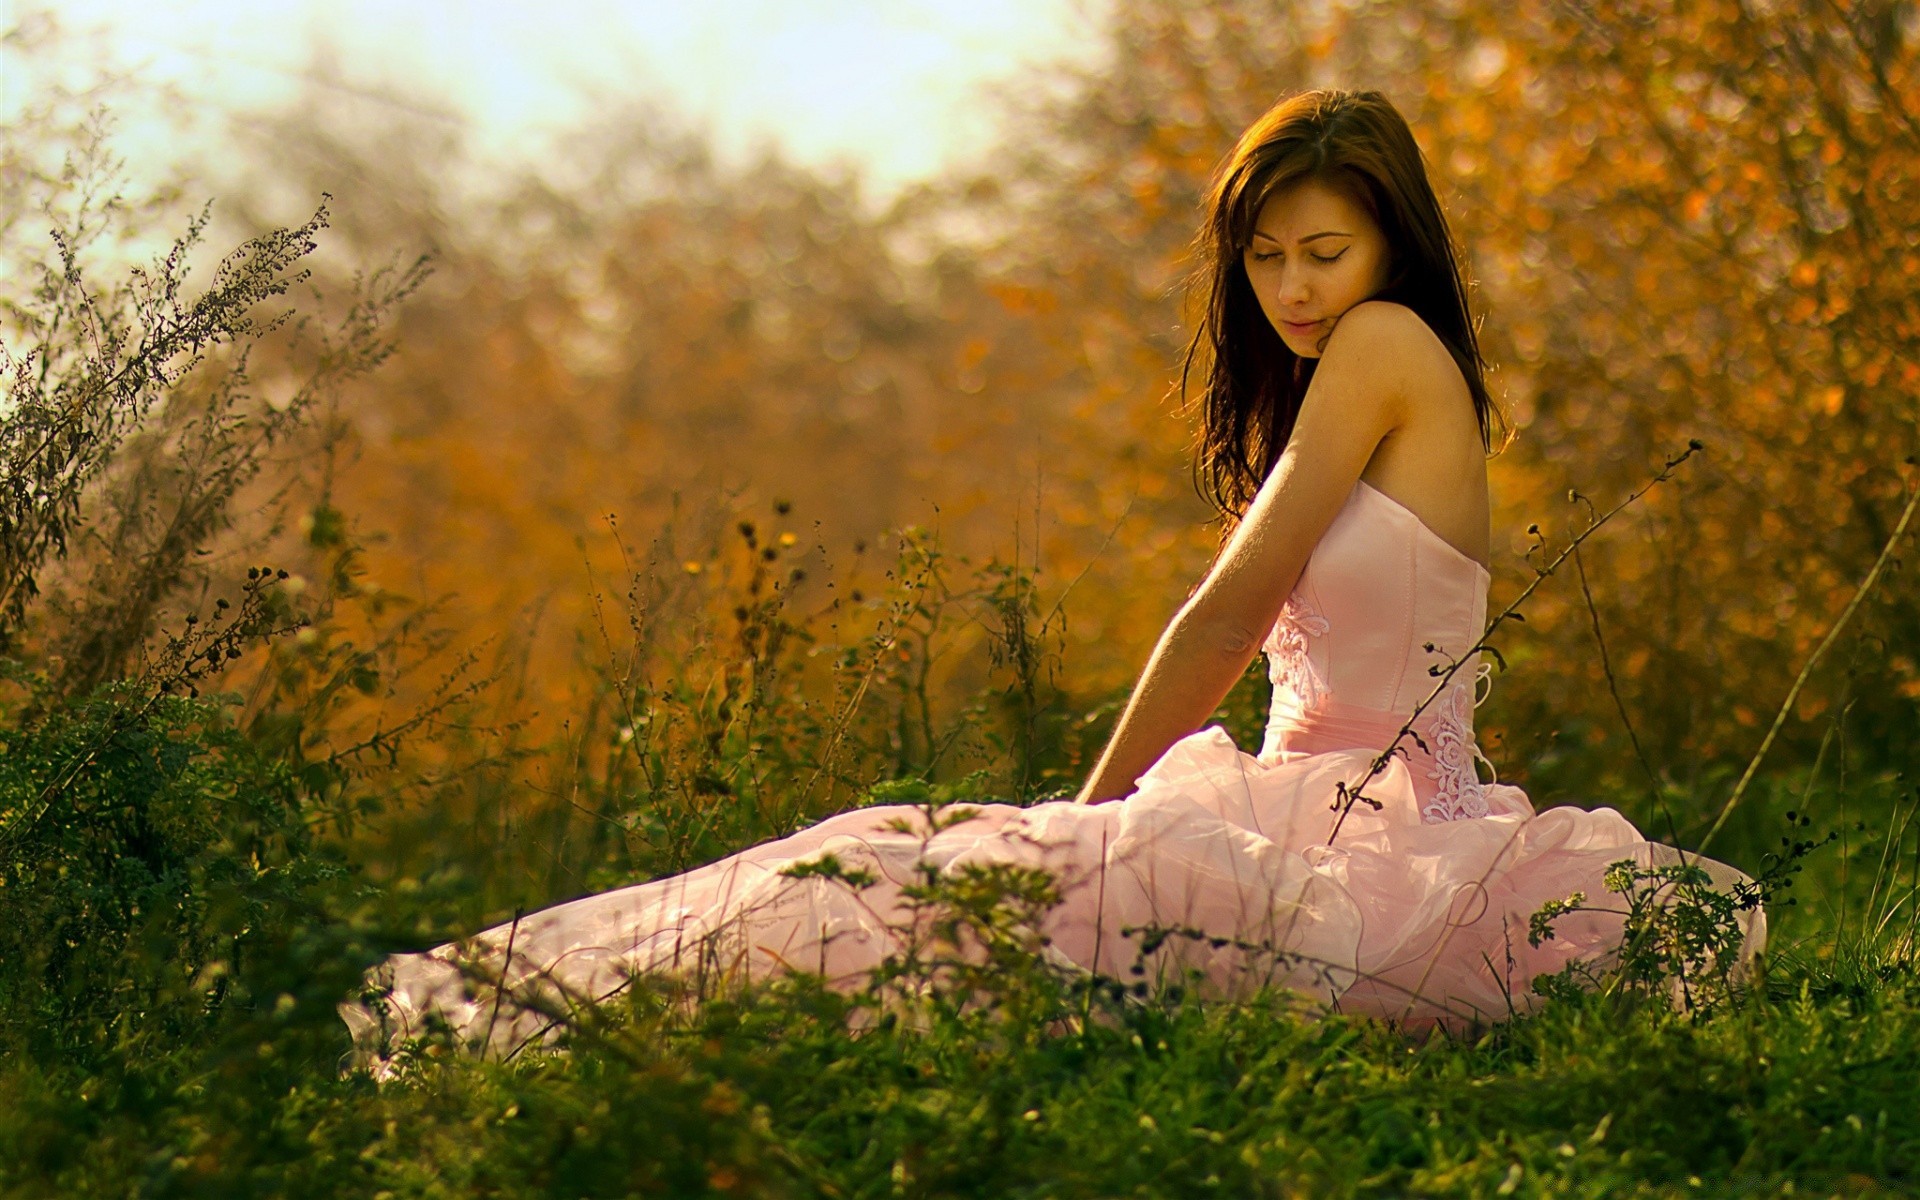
(1355, 400)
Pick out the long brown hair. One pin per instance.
(1355, 141)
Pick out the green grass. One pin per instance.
(177, 940)
(1803, 1090)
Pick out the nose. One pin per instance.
(1292, 288)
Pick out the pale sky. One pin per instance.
(890, 85)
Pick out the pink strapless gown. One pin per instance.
(1417, 910)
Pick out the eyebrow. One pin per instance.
(1310, 237)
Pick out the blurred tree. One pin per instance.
(1683, 218)
(1703, 218)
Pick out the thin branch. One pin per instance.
(1348, 793)
(1813, 660)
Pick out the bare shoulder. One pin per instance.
(1397, 340)
(1364, 359)
(1387, 368)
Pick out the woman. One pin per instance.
(1346, 426)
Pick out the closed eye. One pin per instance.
(1259, 257)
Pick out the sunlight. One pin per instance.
(889, 86)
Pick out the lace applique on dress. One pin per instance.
(1292, 668)
(1450, 737)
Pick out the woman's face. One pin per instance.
(1314, 254)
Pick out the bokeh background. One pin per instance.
(830, 352)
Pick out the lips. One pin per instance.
(1298, 327)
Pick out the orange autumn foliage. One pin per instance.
(1683, 219)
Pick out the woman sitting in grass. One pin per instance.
(1358, 859)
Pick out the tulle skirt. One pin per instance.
(1423, 923)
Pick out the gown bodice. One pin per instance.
(1383, 603)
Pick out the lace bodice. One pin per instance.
(1349, 656)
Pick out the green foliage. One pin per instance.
(969, 1067)
(1681, 932)
(770, 1093)
(139, 886)
(145, 843)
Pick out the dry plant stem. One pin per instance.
(844, 719)
(86, 414)
(1786, 706)
(1350, 793)
(1898, 828)
(505, 969)
(1813, 660)
(1613, 685)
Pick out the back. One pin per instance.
(1435, 464)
